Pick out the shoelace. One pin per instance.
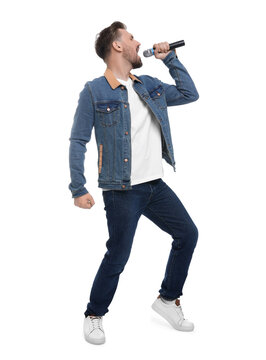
(96, 322)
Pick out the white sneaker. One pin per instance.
(173, 314)
(93, 329)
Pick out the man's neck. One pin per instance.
(119, 73)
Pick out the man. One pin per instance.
(132, 131)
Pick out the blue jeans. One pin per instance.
(157, 201)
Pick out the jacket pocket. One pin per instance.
(107, 113)
(158, 96)
(100, 158)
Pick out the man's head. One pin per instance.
(115, 42)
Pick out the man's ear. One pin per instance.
(116, 45)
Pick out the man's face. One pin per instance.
(130, 49)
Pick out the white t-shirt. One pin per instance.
(146, 143)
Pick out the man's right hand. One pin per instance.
(85, 201)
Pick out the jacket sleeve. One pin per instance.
(184, 90)
(79, 137)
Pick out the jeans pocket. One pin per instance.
(108, 198)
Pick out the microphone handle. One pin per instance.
(175, 44)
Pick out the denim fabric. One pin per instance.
(106, 109)
(158, 202)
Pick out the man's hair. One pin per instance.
(105, 38)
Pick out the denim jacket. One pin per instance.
(103, 104)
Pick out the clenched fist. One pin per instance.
(161, 50)
(85, 201)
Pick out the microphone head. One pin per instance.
(147, 53)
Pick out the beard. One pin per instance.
(134, 58)
(137, 64)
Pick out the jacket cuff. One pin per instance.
(171, 56)
(79, 193)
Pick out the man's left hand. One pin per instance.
(161, 50)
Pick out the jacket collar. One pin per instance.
(113, 82)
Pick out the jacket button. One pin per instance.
(123, 186)
(122, 87)
(158, 94)
(108, 109)
(125, 106)
(125, 160)
(126, 133)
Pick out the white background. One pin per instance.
(51, 250)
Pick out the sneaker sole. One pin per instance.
(159, 311)
(94, 341)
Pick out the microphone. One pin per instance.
(172, 46)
